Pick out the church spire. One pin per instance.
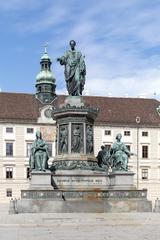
(45, 80)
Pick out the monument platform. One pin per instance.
(97, 201)
(83, 191)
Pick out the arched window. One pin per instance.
(39, 89)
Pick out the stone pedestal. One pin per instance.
(79, 179)
(40, 180)
(121, 180)
(75, 135)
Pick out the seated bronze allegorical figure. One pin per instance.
(103, 157)
(39, 154)
(119, 155)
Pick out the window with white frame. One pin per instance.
(9, 129)
(9, 172)
(129, 147)
(9, 149)
(107, 132)
(9, 192)
(127, 133)
(145, 151)
(30, 130)
(28, 172)
(144, 134)
(144, 173)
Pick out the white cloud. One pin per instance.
(145, 82)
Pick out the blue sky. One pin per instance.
(119, 38)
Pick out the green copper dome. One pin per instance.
(45, 81)
(45, 76)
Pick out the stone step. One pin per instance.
(52, 219)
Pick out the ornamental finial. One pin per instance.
(45, 47)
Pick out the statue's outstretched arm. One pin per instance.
(62, 60)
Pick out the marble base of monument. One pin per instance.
(121, 180)
(41, 180)
(79, 179)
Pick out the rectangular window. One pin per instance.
(145, 173)
(27, 172)
(9, 192)
(9, 130)
(9, 172)
(144, 151)
(107, 132)
(28, 149)
(144, 134)
(127, 133)
(129, 147)
(30, 130)
(50, 149)
(9, 149)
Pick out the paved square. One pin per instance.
(84, 226)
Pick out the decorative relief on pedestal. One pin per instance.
(92, 111)
(89, 139)
(63, 139)
(75, 164)
(110, 194)
(77, 138)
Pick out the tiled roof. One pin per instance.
(119, 111)
(18, 106)
(126, 110)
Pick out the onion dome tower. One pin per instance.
(45, 81)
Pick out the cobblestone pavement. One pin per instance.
(84, 226)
